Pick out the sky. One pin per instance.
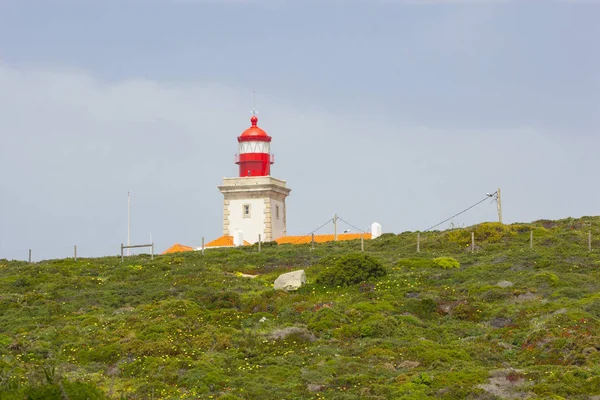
(397, 112)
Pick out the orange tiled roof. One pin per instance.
(321, 238)
(177, 248)
(223, 241)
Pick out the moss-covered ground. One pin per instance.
(507, 322)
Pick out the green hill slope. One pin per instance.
(509, 322)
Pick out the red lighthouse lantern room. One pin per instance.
(254, 156)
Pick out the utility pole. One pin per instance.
(128, 220)
(335, 218)
(499, 203)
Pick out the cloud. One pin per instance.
(74, 145)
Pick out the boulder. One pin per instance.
(290, 280)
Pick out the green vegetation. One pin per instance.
(352, 269)
(505, 321)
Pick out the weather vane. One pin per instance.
(254, 112)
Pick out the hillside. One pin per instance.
(510, 322)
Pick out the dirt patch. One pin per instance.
(507, 384)
(501, 322)
(525, 297)
(504, 284)
(282, 334)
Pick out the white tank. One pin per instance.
(238, 238)
(375, 230)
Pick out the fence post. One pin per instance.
(30, 256)
(472, 242)
(418, 242)
(531, 239)
(152, 256)
(259, 245)
(75, 252)
(589, 240)
(202, 245)
(362, 243)
(121, 252)
(313, 241)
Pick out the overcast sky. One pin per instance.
(400, 112)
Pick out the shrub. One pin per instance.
(446, 262)
(423, 308)
(326, 319)
(593, 307)
(413, 263)
(352, 269)
(487, 232)
(378, 326)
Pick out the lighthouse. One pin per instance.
(254, 202)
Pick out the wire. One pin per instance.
(310, 233)
(348, 223)
(456, 215)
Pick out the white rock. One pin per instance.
(290, 280)
(504, 284)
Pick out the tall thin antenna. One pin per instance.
(254, 103)
(128, 220)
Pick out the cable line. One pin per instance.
(456, 215)
(348, 223)
(310, 233)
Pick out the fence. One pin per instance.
(472, 239)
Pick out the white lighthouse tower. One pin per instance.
(254, 202)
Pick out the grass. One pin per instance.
(501, 322)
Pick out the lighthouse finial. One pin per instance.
(254, 118)
(254, 112)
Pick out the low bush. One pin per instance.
(414, 263)
(446, 262)
(352, 269)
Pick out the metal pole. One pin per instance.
(499, 206)
(589, 240)
(128, 221)
(313, 241)
(418, 242)
(472, 242)
(75, 252)
(30, 256)
(259, 242)
(202, 245)
(531, 239)
(362, 243)
(152, 256)
(335, 227)
(121, 252)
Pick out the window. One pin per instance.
(246, 210)
(276, 212)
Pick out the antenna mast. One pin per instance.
(128, 220)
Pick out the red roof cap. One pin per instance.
(254, 132)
